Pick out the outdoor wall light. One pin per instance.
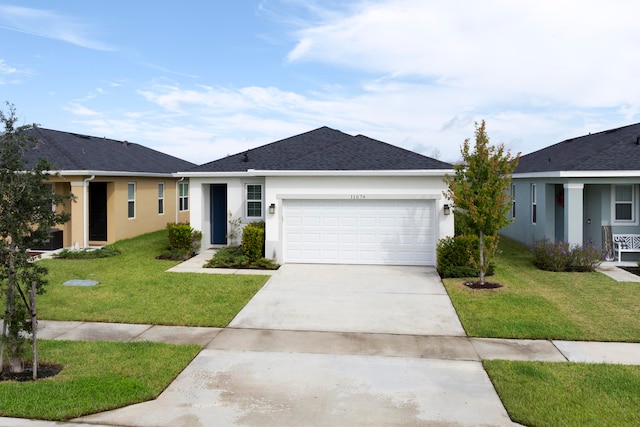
(272, 208)
(447, 209)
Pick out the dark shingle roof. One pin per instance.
(615, 149)
(72, 152)
(324, 149)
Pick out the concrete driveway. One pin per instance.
(327, 345)
(353, 298)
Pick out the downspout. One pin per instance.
(178, 197)
(85, 209)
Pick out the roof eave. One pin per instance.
(579, 174)
(257, 172)
(110, 173)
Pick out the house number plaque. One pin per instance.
(358, 196)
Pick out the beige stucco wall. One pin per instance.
(119, 226)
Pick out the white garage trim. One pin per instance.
(359, 231)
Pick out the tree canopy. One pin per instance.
(479, 190)
(27, 213)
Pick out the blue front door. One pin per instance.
(218, 214)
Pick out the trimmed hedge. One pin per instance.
(456, 257)
(253, 241)
(561, 256)
(180, 236)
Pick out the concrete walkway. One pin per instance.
(286, 361)
(461, 348)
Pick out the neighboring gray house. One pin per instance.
(327, 197)
(579, 190)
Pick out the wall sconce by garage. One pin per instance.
(272, 208)
(447, 209)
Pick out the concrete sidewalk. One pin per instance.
(389, 345)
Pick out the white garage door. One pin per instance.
(393, 232)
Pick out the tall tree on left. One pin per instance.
(28, 210)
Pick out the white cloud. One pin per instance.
(582, 52)
(80, 110)
(11, 74)
(6, 69)
(49, 24)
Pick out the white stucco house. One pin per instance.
(327, 197)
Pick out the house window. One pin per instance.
(160, 198)
(513, 201)
(534, 206)
(254, 200)
(50, 189)
(624, 204)
(184, 196)
(131, 200)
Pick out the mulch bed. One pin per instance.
(486, 285)
(44, 371)
(633, 270)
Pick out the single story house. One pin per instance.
(579, 190)
(121, 189)
(327, 197)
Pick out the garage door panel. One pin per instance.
(359, 231)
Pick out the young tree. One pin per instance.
(26, 216)
(479, 190)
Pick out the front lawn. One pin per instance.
(97, 376)
(567, 394)
(134, 288)
(540, 304)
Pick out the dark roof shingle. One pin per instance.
(71, 152)
(324, 149)
(614, 149)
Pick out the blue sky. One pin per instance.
(204, 79)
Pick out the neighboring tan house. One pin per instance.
(121, 189)
(579, 190)
(327, 197)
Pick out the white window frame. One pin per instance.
(534, 205)
(633, 202)
(513, 201)
(51, 187)
(183, 196)
(247, 201)
(161, 198)
(131, 200)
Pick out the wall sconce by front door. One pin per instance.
(272, 208)
(447, 209)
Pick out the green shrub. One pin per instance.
(265, 264)
(103, 252)
(180, 237)
(253, 240)
(457, 255)
(232, 257)
(561, 256)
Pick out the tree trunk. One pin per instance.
(34, 329)
(3, 338)
(15, 364)
(481, 266)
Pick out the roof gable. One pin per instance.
(73, 152)
(324, 149)
(614, 149)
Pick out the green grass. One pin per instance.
(567, 394)
(540, 304)
(134, 288)
(97, 376)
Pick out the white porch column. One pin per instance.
(573, 213)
